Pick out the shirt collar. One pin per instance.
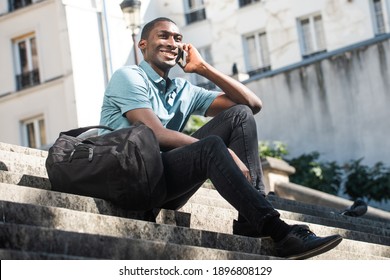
(150, 72)
(156, 78)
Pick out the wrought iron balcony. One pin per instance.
(27, 79)
(243, 3)
(17, 4)
(195, 16)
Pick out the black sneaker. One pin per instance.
(301, 243)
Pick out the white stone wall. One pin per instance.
(337, 106)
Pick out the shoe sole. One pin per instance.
(317, 251)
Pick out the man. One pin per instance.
(224, 150)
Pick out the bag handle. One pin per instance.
(77, 131)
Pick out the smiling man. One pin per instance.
(224, 150)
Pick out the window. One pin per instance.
(312, 37)
(34, 133)
(243, 3)
(378, 16)
(257, 57)
(200, 80)
(194, 11)
(17, 4)
(26, 60)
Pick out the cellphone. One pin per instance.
(181, 58)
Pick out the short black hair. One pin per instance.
(149, 26)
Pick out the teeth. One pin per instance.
(168, 53)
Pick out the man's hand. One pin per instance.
(194, 60)
(240, 165)
(233, 92)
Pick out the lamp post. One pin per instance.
(131, 14)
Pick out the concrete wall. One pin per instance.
(337, 106)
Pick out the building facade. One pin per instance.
(57, 56)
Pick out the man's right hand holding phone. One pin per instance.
(189, 59)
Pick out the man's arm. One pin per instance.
(233, 93)
(170, 139)
(167, 138)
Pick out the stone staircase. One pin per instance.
(38, 223)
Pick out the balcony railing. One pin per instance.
(243, 3)
(196, 16)
(17, 4)
(27, 79)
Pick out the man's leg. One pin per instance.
(237, 128)
(186, 168)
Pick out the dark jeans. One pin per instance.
(186, 168)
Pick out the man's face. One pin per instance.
(161, 47)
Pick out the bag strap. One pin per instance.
(77, 131)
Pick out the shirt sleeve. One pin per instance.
(128, 89)
(203, 99)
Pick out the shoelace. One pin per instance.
(304, 233)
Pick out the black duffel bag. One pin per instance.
(123, 166)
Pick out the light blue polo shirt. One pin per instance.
(135, 87)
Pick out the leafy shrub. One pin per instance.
(277, 149)
(310, 172)
(193, 124)
(372, 183)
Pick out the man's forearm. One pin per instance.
(234, 90)
(170, 139)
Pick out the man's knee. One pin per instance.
(213, 142)
(242, 114)
(243, 111)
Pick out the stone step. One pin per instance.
(338, 254)
(9, 192)
(219, 219)
(209, 216)
(42, 240)
(346, 250)
(8, 254)
(76, 221)
(34, 175)
(211, 197)
(198, 220)
(23, 164)
(224, 217)
(350, 243)
(24, 180)
(22, 150)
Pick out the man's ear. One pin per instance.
(142, 44)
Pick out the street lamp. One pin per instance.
(131, 14)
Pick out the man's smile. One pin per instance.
(169, 53)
